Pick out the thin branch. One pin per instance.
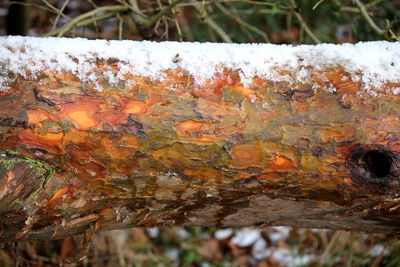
(351, 9)
(61, 12)
(264, 11)
(56, 10)
(94, 19)
(48, 7)
(303, 23)
(224, 36)
(33, 5)
(242, 22)
(176, 21)
(162, 13)
(61, 31)
(257, 2)
(139, 20)
(163, 20)
(394, 36)
(142, 23)
(215, 27)
(317, 4)
(373, 3)
(93, 4)
(366, 16)
(210, 2)
(120, 26)
(135, 7)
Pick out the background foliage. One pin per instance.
(240, 21)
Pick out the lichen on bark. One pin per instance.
(21, 179)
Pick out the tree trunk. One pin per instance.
(322, 152)
(18, 18)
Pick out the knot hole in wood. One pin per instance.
(377, 163)
(375, 166)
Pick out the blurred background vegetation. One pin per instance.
(240, 21)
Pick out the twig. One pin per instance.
(303, 23)
(93, 4)
(394, 36)
(264, 11)
(139, 19)
(317, 4)
(120, 26)
(61, 31)
(177, 25)
(142, 23)
(135, 7)
(162, 13)
(164, 21)
(241, 22)
(225, 37)
(94, 19)
(373, 3)
(366, 16)
(34, 5)
(217, 29)
(61, 12)
(351, 9)
(330, 245)
(257, 2)
(56, 10)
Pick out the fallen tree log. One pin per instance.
(104, 135)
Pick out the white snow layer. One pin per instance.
(374, 63)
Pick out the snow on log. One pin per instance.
(102, 135)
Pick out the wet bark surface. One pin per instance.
(171, 152)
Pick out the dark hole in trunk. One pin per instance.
(377, 163)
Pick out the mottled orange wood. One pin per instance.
(174, 152)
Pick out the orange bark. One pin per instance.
(174, 152)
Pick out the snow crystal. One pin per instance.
(303, 73)
(372, 63)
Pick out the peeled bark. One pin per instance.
(272, 153)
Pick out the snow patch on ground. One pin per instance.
(246, 237)
(374, 63)
(221, 234)
(279, 233)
